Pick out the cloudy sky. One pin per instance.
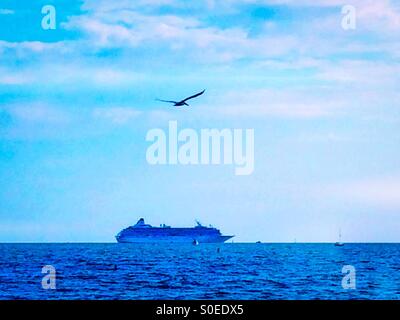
(76, 104)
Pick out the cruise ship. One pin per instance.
(145, 233)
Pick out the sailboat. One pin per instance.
(339, 243)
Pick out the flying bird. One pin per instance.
(183, 102)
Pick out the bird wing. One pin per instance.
(166, 101)
(193, 96)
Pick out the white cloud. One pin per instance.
(129, 29)
(330, 137)
(286, 103)
(37, 113)
(26, 50)
(9, 77)
(130, 24)
(283, 110)
(110, 76)
(373, 73)
(117, 115)
(51, 74)
(6, 11)
(121, 25)
(105, 5)
(383, 15)
(35, 46)
(381, 192)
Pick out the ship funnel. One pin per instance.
(198, 223)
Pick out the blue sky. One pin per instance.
(76, 104)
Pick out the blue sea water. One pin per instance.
(207, 271)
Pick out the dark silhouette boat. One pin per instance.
(339, 243)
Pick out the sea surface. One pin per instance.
(206, 271)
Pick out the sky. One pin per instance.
(77, 101)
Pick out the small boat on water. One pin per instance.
(339, 243)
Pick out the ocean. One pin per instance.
(207, 271)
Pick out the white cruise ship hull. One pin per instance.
(172, 239)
